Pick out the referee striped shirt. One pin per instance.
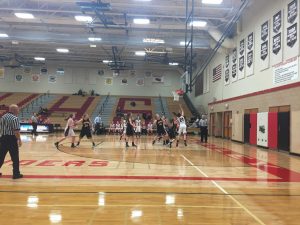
(9, 123)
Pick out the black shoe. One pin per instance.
(153, 142)
(73, 146)
(78, 143)
(170, 144)
(94, 144)
(56, 144)
(185, 144)
(134, 145)
(17, 176)
(127, 145)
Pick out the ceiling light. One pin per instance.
(143, 0)
(107, 61)
(39, 59)
(93, 46)
(198, 23)
(212, 2)
(2, 35)
(153, 40)
(141, 21)
(173, 63)
(14, 42)
(24, 15)
(86, 19)
(94, 39)
(62, 50)
(140, 53)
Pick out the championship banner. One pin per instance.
(291, 31)
(241, 60)
(35, 77)
(264, 61)
(227, 70)
(250, 55)
(234, 65)
(108, 81)
(19, 78)
(52, 79)
(277, 37)
(140, 81)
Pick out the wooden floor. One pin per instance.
(221, 182)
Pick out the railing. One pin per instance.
(161, 105)
(104, 103)
(190, 105)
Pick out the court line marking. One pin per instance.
(226, 193)
(127, 205)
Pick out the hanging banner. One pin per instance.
(277, 24)
(250, 55)
(264, 61)
(19, 78)
(262, 129)
(291, 31)
(35, 77)
(140, 81)
(241, 60)
(234, 65)
(227, 70)
(52, 79)
(286, 71)
(108, 81)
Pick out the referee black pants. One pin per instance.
(9, 143)
(204, 133)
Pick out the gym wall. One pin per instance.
(87, 78)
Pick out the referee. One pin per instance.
(203, 128)
(10, 140)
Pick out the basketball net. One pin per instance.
(176, 96)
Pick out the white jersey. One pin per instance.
(181, 121)
(138, 123)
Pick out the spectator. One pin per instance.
(97, 122)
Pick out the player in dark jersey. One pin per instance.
(129, 130)
(160, 129)
(85, 129)
(172, 130)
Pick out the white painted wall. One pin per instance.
(257, 13)
(84, 78)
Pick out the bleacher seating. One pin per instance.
(21, 99)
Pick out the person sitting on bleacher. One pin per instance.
(150, 128)
(112, 128)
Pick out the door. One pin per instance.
(246, 128)
(253, 128)
(227, 130)
(284, 131)
(211, 131)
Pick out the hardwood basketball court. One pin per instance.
(221, 182)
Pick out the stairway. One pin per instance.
(98, 108)
(34, 106)
(158, 108)
(108, 110)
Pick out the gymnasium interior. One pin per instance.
(231, 63)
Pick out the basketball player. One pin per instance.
(118, 127)
(160, 129)
(124, 125)
(144, 128)
(129, 130)
(138, 127)
(111, 128)
(182, 126)
(172, 131)
(85, 129)
(149, 128)
(69, 132)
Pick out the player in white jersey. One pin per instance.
(118, 127)
(124, 126)
(138, 127)
(149, 128)
(182, 126)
